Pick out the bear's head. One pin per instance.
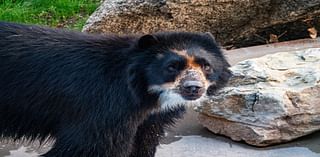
(177, 68)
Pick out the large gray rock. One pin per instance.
(269, 100)
(229, 20)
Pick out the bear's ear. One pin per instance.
(210, 36)
(147, 41)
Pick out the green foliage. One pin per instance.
(55, 13)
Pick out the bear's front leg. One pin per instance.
(151, 130)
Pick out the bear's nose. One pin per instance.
(193, 88)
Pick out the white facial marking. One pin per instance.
(169, 98)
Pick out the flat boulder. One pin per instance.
(269, 100)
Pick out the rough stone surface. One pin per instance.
(269, 100)
(197, 146)
(229, 20)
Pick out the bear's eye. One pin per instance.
(207, 68)
(172, 68)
